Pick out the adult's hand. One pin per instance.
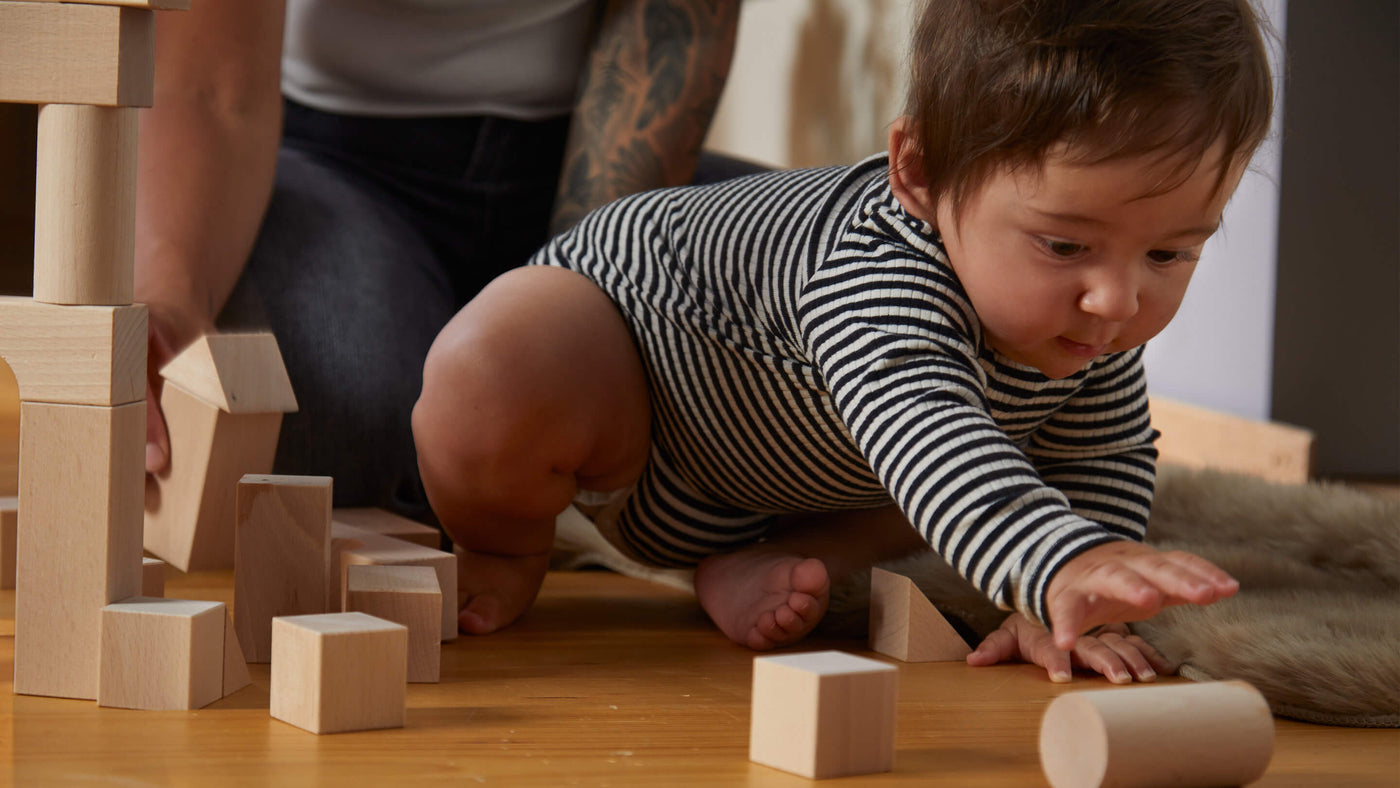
(168, 331)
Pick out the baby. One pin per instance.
(782, 379)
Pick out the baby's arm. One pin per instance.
(1119, 656)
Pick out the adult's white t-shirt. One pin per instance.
(412, 58)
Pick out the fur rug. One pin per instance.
(1315, 626)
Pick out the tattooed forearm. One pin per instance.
(646, 100)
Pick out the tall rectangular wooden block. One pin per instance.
(823, 714)
(282, 548)
(407, 595)
(62, 53)
(339, 672)
(79, 547)
(162, 654)
(9, 527)
(85, 204)
(190, 505)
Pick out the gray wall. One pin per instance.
(1337, 339)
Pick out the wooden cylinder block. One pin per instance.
(85, 205)
(1180, 735)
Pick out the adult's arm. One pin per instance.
(648, 93)
(207, 154)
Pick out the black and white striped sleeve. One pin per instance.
(889, 332)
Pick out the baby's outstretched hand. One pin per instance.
(1119, 656)
(1128, 581)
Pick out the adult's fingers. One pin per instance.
(157, 437)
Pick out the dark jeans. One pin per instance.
(378, 231)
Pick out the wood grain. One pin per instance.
(74, 355)
(66, 53)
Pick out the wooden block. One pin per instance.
(351, 545)
(237, 373)
(407, 595)
(235, 667)
(74, 355)
(152, 577)
(1200, 438)
(339, 672)
(162, 654)
(157, 5)
(190, 504)
(386, 523)
(9, 526)
(64, 53)
(79, 549)
(823, 714)
(906, 626)
(1215, 733)
(281, 554)
(85, 205)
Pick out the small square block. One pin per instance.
(161, 654)
(408, 595)
(338, 672)
(823, 714)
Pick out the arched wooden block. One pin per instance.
(906, 626)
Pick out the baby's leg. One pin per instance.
(773, 593)
(532, 391)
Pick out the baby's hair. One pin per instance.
(1003, 83)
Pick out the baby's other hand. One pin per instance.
(1119, 656)
(1128, 581)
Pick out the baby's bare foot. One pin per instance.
(495, 590)
(763, 599)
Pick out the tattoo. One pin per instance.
(669, 39)
(636, 168)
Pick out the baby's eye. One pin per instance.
(1169, 256)
(1061, 248)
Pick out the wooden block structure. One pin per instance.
(355, 546)
(386, 523)
(162, 654)
(223, 400)
(339, 672)
(74, 355)
(823, 714)
(1209, 734)
(9, 527)
(65, 53)
(282, 550)
(407, 595)
(152, 577)
(905, 625)
(1196, 437)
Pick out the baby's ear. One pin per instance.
(907, 178)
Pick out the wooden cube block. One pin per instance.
(223, 401)
(386, 523)
(79, 545)
(339, 672)
(905, 625)
(1213, 733)
(152, 577)
(351, 545)
(161, 654)
(74, 355)
(407, 595)
(9, 526)
(823, 714)
(281, 555)
(62, 53)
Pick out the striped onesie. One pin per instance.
(809, 349)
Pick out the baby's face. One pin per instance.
(1073, 261)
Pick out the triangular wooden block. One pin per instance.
(237, 373)
(235, 668)
(906, 626)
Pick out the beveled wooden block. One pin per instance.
(386, 523)
(281, 555)
(351, 545)
(74, 355)
(339, 672)
(407, 595)
(823, 714)
(905, 625)
(161, 654)
(67, 53)
(79, 546)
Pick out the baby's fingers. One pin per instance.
(1131, 654)
(1185, 577)
(1000, 646)
(1095, 654)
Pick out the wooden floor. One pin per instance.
(608, 681)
